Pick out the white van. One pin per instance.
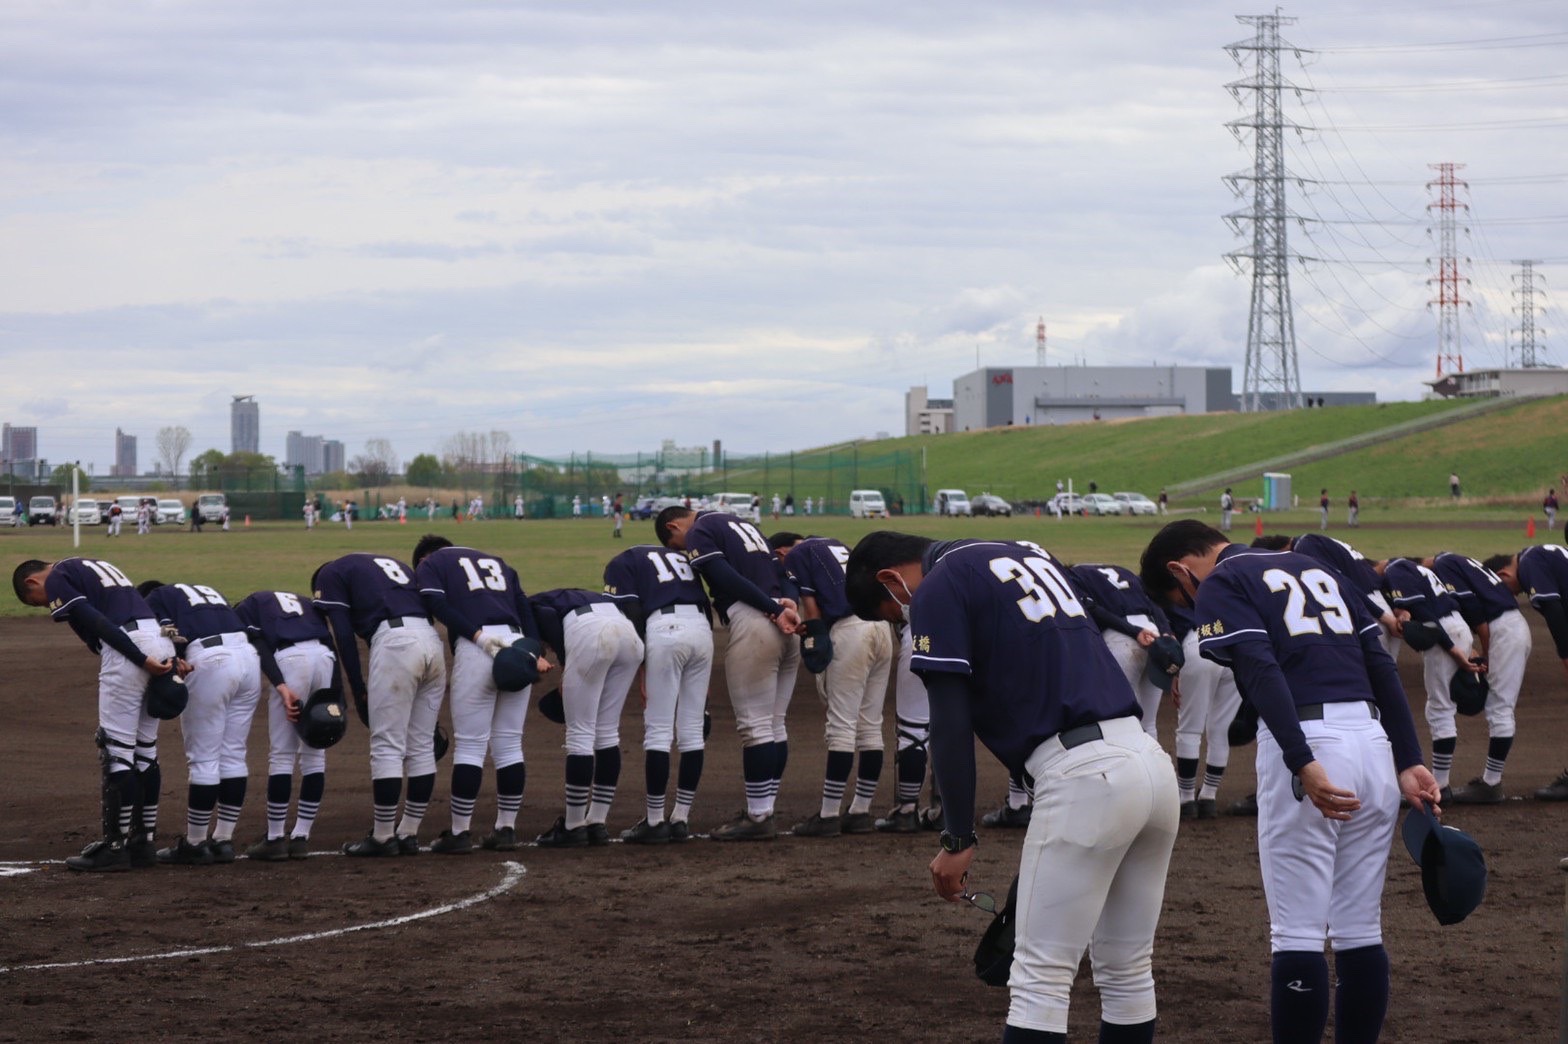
(212, 506)
(733, 504)
(867, 503)
(8, 512)
(952, 502)
(85, 512)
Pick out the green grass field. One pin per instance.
(573, 554)
(1512, 453)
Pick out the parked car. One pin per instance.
(867, 503)
(1137, 504)
(649, 507)
(212, 506)
(9, 516)
(169, 511)
(952, 502)
(1066, 504)
(41, 511)
(1102, 504)
(733, 503)
(84, 512)
(128, 507)
(990, 504)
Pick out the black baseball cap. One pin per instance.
(1453, 868)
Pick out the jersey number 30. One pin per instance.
(1045, 590)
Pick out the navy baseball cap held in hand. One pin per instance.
(1166, 659)
(1453, 868)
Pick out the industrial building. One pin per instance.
(1502, 383)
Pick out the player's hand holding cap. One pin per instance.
(1453, 867)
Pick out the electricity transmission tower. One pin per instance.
(1448, 299)
(1272, 378)
(1529, 351)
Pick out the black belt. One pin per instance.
(674, 608)
(394, 621)
(131, 626)
(582, 609)
(1314, 711)
(1076, 736)
(212, 641)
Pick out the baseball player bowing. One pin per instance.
(760, 661)
(1353, 568)
(1541, 572)
(116, 623)
(912, 725)
(658, 591)
(225, 686)
(373, 597)
(1429, 609)
(1130, 623)
(1010, 656)
(1207, 702)
(851, 659)
(599, 652)
(1504, 640)
(481, 601)
(1336, 748)
(294, 649)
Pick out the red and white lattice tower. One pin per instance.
(1448, 205)
(1039, 342)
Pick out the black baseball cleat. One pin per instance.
(222, 851)
(745, 828)
(1478, 792)
(143, 852)
(100, 857)
(1208, 808)
(269, 850)
(1008, 818)
(905, 821)
(858, 823)
(1188, 809)
(643, 834)
(558, 836)
(1557, 790)
(1247, 806)
(598, 834)
(183, 853)
(299, 847)
(407, 844)
(680, 831)
(460, 843)
(503, 840)
(371, 847)
(819, 826)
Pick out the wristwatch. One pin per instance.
(958, 844)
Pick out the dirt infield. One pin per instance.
(794, 940)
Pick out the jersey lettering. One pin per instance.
(1490, 576)
(107, 574)
(200, 594)
(840, 554)
(1037, 602)
(289, 603)
(393, 570)
(750, 537)
(670, 565)
(494, 578)
(1115, 579)
(1325, 594)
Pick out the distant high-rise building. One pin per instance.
(245, 424)
(124, 455)
(19, 451)
(332, 457)
(308, 452)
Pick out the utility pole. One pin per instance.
(1449, 351)
(1529, 351)
(1272, 378)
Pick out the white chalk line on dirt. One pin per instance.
(513, 874)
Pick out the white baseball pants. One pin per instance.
(306, 667)
(224, 687)
(602, 655)
(1209, 702)
(760, 664)
(407, 680)
(678, 668)
(854, 687)
(485, 718)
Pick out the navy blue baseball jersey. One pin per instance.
(90, 582)
(816, 565)
(1481, 595)
(1119, 592)
(1282, 617)
(371, 588)
(1543, 573)
(1005, 614)
(551, 608)
(1351, 564)
(715, 534)
(282, 619)
(196, 610)
(468, 589)
(1181, 619)
(655, 578)
(1414, 588)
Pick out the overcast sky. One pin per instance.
(597, 225)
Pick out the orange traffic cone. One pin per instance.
(1257, 526)
(402, 520)
(458, 516)
(1529, 528)
(247, 521)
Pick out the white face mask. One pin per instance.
(903, 607)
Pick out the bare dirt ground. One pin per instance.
(794, 940)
